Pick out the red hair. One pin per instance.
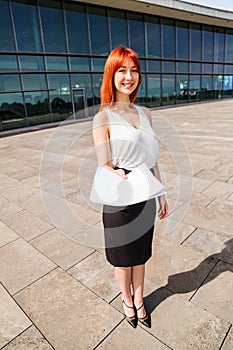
(114, 61)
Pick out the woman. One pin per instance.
(124, 139)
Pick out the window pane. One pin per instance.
(195, 67)
(153, 35)
(8, 63)
(219, 45)
(9, 82)
(80, 63)
(168, 66)
(6, 32)
(117, 20)
(206, 87)
(168, 38)
(229, 69)
(52, 25)
(83, 81)
(218, 86)
(97, 81)
(136, 33)
(182, 33)
(182, 91)
(80, 80)
(60, 96)
(28, 63)
(12, 112)
(207, 43)
(207, 68)
(34, 82)
(56, 63)
(182, 67)
(99, 30)
(27, 26)
(98, 64)
(154, 66)
(195, 42)
(218, 68)
(141, 96)
(228, 85)
(154, 89)
(37, 105)
(77, 31)
(143, 65)
(229, 46)
(194, 87)
(168, 89)
(206, 82)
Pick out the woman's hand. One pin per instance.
(163, 207)
(121, 173)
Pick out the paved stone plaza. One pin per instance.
(58, 292)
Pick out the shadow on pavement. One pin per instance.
(188, 281)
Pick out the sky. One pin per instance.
(221, 4)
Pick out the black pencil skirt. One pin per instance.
(128, 233)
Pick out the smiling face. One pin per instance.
(126, 80)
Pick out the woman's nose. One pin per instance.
(128, 74)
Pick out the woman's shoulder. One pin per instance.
(147, 113)
(101, 118)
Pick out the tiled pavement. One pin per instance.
(58, 292)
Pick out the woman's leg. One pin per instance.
(123, 276)
(138, 274)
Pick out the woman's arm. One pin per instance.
(163, 206)
(100, 133)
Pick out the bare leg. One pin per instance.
(138, 274)
(123, 276)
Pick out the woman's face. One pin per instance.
(126, 80)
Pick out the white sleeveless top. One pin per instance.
(131, 147)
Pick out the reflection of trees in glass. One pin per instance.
(11, 110)
(37, 108)
(60, 106)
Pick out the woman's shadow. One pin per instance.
(192, 280)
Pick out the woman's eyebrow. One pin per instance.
(125, 67)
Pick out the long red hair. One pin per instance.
(114, 61)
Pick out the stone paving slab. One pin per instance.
(221, 301)
(8, 208)
(19, 193)
(68, 314)
(228, 344)
(27, 225)
(206, 218)
(182, 325)
(61, 249)
(21, 264)
(173, 230)
(178, 268)
(31, 339)
(12, 319)
(215, 245)
(6, 234)
(221, 190)
(34, 204)
(124, 337)
(102, 281)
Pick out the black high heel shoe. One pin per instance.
(132, 320)
(146, 320)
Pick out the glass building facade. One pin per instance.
(52, 55)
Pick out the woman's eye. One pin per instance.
(135, 71)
